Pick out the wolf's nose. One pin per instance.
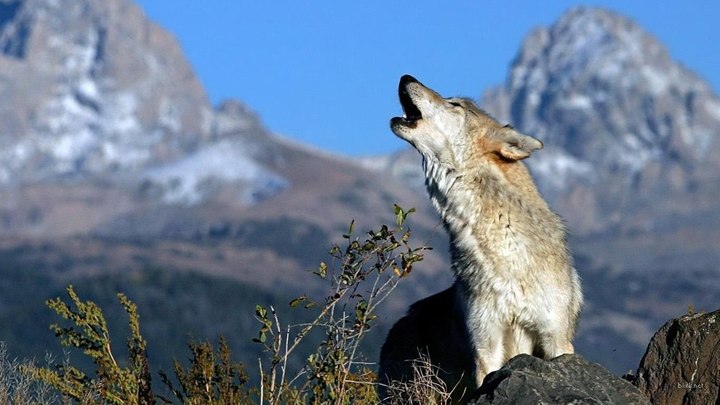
(407, 79)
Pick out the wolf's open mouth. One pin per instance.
(412, 112)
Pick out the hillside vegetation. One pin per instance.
(310, 350)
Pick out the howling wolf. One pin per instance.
(516, 290)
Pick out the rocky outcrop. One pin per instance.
(562, 380)
(682, 362)
(681, 366)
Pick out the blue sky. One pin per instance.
(325, 73)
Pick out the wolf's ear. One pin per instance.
(516, 146)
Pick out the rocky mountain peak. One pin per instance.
(95, 86)
(605, 92)
(589, 39)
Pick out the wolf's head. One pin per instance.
(453, 131)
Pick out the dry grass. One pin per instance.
(425, 386)
(17, 387)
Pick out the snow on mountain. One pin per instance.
(558, 167)
(188, 180)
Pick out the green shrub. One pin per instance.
(113, 383)
(364, 273)
(211, 379)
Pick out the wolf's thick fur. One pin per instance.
(516, 290)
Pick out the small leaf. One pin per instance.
(350, 230)
(368, 246)
(322, 270)
(399, 214)
(297, 301)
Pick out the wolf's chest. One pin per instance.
(500, 273)
(512, 298)
(504, 301)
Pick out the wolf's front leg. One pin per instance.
(489, 352)
(555, 344)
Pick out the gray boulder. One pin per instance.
(682, 362)
(563, 380)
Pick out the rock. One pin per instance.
(562, 380)
(682, 362)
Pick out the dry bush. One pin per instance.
(18, 387)
(424, 388)
(364, 272)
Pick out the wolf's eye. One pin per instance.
(454, 103)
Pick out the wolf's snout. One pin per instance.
(407, 79)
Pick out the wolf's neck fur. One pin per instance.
(495, 231)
